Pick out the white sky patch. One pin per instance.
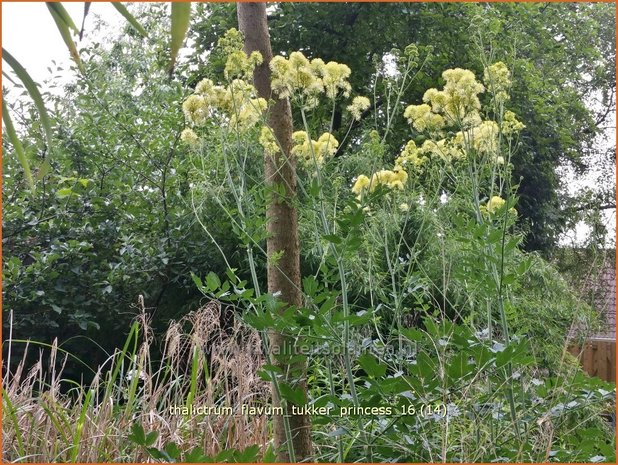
(389, 61)
(29, 33)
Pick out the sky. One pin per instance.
(30, 34)
(35, 51)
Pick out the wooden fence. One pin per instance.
(598, 358)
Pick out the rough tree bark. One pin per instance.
(282, 224)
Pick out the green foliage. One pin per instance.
(65, 24)
(34, 93)
(129, 17)
(181, 14)
(445, 389)
(113, 220)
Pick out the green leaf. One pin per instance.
(412, 334)
(64, 192)
(44, 170)
(158, 454)
(64, 22)
(248, 455)
(425, 367)
(196, 455)
(198, 282)
(523, 266)
(358, 318)
(269, 455)
(259, 321)
(513, 353)
(172, 450)
(357, 218)
(293, 395)
(212, 282)
(225, 456)
(63, 14)
(151, 438)
(33, 90)
(459, 367)
(310, 285)
(181, 13)
(137, 434)
(372, 366)
(332, 238)
(130, 18)
(80, 427)
(314, 188)
(508, 279)
(19, 149)
(4, 73)
(272, 368)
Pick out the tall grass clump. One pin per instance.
(48, 418)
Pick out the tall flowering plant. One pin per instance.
(413, 254)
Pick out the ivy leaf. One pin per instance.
(212, 282)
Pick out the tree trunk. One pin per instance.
(282, 225)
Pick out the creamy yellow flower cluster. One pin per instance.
(458, 105)
(311, 152)
(497, 78)
(510, 124)
(411, 156)
(238, 64)
(447, 149)
(458, 99)
(393, 179)
(358, 106)
(423, 119)
(238, 102)
(296, 76)
(494, 204)
(485, 137)
(268, 141)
